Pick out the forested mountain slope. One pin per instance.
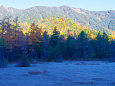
(98, 20)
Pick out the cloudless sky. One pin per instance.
(96, 5)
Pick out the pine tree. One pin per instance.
(62, 45)
(45, 47)
(102, 45)
(2, 58)
(55, 46)
(70, 48)
(112, 51)
(82, 45)
(54, 40)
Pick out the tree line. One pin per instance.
(38, 45)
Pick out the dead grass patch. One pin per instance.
(66, 79)
(91, 82)
(45, 71)
(98, 79)
(113, 83)
(94, 64)
(25, 75)
(80, 83)
(35, 73)
(78, 64)
(0, 78)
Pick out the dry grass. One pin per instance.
(113, 83)
(45, 71)
(94, 64)
(98, 79)
(91, 82)
(81, 63)
(25, 75)
(35, 73)
(80, 83)
(66, 79)
(78, 64)
(66, 64)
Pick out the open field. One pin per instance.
(70, 73)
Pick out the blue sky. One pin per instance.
(96, 5)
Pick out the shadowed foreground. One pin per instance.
(60, 74)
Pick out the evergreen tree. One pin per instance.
(112, 51)
(102, 45)
(62, 45)
(70, 48)
(45, 46)
(82, 45)
(106, 45)
(2, 58)
(55, 38)
(55, 46)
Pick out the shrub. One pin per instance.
(23, 63)
(3, 63)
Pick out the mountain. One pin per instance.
(98, 20)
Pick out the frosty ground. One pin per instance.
(69, 73)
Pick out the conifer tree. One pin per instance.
(45, 46)
(55, 45)
(82, 45)
(102, 45)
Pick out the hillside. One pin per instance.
(98, 20)
(65, 25)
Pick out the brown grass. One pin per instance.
(66, 79)
(97, 79)
(35, 72)
(80, 83)
(25, 75)
(0, 78)
(94, 64)
(45, 71)
(113, 83)
(78, 64)
(91, 82)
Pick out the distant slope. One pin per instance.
(63, 25)
(98, 20)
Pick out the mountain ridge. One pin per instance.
(98, 20)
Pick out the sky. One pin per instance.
(92, 5)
